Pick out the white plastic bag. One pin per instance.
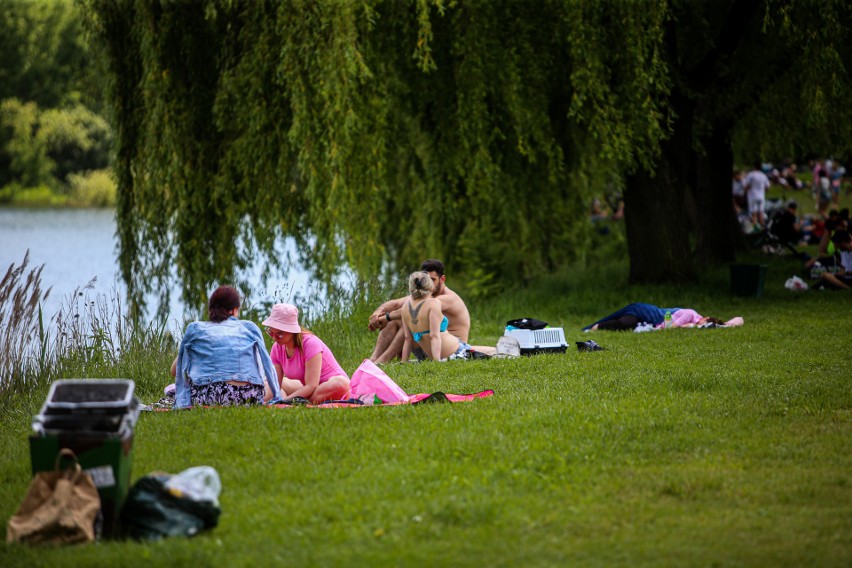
(796, 284)
(199, 483)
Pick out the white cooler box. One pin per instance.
(547, 340)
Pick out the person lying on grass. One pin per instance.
(632, 315)
(425, 325)
(304, 365)
(224, 361)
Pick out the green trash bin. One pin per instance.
(94, 418)
(747, 280)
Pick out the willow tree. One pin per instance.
(375, 133)
(761, 78)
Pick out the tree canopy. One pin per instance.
(380, 133)
(50, 97)
(44, 55)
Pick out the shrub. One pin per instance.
(39, 196)
(92, 189)
(24, 152)
(76, 140)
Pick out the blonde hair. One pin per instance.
(419, 284)
(297, 337)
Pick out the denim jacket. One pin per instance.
(231, 350)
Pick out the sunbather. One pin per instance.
(632, 315)
(425, 325)
(387, 317)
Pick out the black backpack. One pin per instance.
(527, 323)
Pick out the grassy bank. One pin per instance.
(726, 447)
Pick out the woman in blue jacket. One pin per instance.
(224, 361)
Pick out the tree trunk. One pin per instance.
(716, 226)
(654, 210)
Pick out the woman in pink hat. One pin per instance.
(305, 365)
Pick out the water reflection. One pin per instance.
(78, 247)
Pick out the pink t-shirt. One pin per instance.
(294, 367)
(685, 317)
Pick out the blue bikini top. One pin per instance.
(418, 335)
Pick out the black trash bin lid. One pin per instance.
(82, 394)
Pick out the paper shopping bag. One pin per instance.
(60, 507)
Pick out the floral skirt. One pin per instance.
(226, 394)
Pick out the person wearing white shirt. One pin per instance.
(756, 183)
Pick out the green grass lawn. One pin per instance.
(727, 447)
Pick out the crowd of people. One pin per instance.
(224, 361)
(783, 217)
(786, 227)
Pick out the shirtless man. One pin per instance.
(387, 317)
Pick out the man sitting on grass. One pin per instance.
(387, 317)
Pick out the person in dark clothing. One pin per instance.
(631, 315)
(787, 227)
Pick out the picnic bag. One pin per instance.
(61, 507)
(369, 381)
(527, 323)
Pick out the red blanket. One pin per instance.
(421, 398)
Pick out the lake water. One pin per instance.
(78, 245)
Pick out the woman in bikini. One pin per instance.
(425, 324)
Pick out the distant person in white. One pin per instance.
(756, 183)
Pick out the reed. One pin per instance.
(22, 330)
(92, 335)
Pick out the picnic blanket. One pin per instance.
(420, 398)
(370, 386)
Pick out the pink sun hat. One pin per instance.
(284, 317)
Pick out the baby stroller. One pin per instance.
(773, 240)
